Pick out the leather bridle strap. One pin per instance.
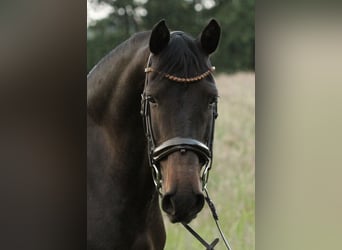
(215, 217)
(179, 143)
(200, 239)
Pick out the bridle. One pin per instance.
(158, 152)
(203, 149)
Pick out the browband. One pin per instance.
(181, 79)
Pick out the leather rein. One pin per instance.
(158, 152)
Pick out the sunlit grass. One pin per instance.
(231, 182)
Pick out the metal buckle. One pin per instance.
(156, 178)
(205, 175)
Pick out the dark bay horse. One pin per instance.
(166, 78)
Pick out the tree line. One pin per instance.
(236, 17)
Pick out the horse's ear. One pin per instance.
(160, 37)
(210, 36)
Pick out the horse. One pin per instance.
(151, 106)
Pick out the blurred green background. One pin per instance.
(232, 179)
(236, 49)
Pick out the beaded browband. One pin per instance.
(180, 79)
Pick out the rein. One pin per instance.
(215, 217)
(156, 153)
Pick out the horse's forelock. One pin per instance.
(182, 57)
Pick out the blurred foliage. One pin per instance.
(236, 49)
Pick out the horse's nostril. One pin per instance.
(168, 204)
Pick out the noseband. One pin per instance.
(157, 152)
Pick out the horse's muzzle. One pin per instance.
(182, 195)
(181, 208)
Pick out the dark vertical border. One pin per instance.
(43, 125)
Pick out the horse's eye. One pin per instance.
(151, 99)
(213, 100)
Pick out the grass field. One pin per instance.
(231, 182)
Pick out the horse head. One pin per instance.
(179, 100)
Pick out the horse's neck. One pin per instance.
(114, 89)
(116, 81)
